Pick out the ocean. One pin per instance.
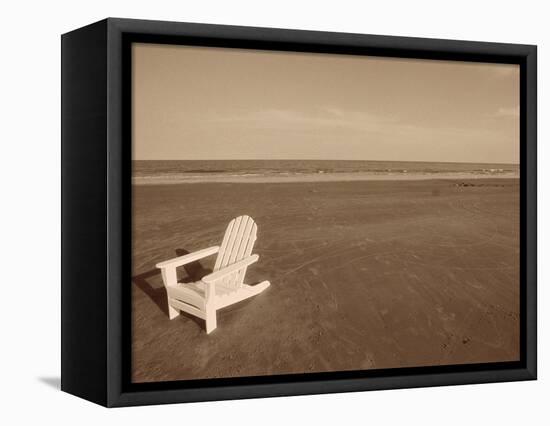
(181, 171)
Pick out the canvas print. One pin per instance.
(303, 213)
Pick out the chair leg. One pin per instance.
(172, 312)
(211, 323)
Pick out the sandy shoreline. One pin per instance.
(320, 177)
(364, 275)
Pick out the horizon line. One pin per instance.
(317, 159)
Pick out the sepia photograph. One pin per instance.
(298, 212)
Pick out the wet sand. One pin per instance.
(364, 275)
(312, 178)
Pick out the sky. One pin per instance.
(201, 103)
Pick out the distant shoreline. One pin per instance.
(317, 177)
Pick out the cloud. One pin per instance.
(320, 117)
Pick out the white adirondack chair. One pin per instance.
(224, 286)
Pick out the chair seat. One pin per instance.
(194, 293)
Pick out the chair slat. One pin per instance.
(232, 253)
(239, 252)
(225, 242)
(232, 240)
(249, 245)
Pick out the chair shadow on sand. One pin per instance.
(193, 272)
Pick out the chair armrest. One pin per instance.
(229, 269)
(188, 258)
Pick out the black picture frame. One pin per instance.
(96, 207)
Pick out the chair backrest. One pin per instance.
(237, 244)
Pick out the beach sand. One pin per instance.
(364, 275)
